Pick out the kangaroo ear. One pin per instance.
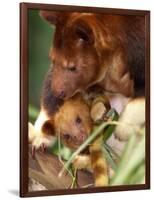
(48, 128)
(53, 17)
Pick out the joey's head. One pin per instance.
(73, 122)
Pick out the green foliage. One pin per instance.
(131, 167)
(40, 36)
(33, 113)
(114, 116)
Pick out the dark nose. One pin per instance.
(61, 95)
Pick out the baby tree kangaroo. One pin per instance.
(73, 122)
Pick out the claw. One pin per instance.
(43, 147)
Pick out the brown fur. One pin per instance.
(99, 163)
(90, 49)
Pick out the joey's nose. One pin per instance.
(61, 94)
(81, 138)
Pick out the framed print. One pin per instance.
(84, 99)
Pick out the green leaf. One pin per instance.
(33, 111)
(113, 116)
(109, 158)
(132, 157)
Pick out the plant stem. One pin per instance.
(112, 152)
(109, 158)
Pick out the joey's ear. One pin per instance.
(53, 17)
(48, 128)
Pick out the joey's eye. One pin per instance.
(78, 120)
(66, 136)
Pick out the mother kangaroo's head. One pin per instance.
(91, 48)
(75, 53)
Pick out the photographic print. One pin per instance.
(85, 99)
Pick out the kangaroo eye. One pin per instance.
(72, 68)
(78, 120)
(82, 34)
